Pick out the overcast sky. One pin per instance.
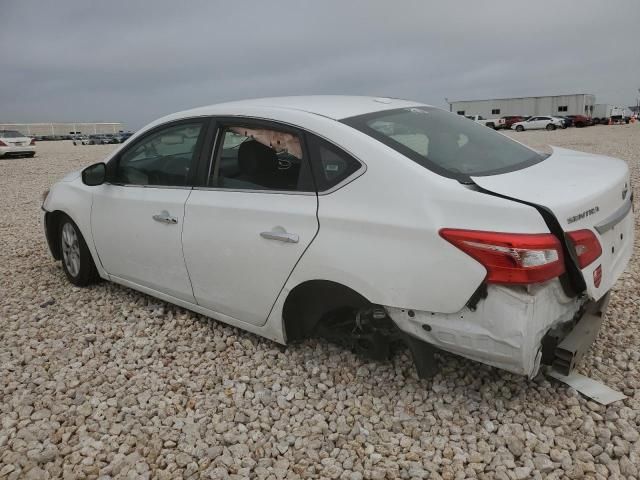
(134, 61)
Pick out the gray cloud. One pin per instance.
(133, 61)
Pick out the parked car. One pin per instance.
(580, 121)
(538, 123)
(362, 220)
(123, 136)
(495, 123)
(15, 144)
(99, 139)
(511, 119)
(80, 139)
(120, 137)
(568, 121)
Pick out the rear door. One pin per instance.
(251, 220)
(137, 217)
(583, 191)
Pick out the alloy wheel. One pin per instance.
(70, 249)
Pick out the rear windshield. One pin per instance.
(448, 144)
(10, 134)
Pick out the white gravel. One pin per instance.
(107, 382)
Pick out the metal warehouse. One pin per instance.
(575, 104)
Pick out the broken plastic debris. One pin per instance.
(589, 387)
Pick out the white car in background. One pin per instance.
(495, 123)
(362, 220)
(80, 139)
(539, 123)
(15, 144)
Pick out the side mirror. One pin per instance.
(94, 174)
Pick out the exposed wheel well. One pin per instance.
(52, 225)
(308, 303)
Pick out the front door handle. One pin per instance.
(164, 217)
(281, 235)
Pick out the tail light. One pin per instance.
(33, 142)
(587, 246)
(2, 144)
(511, 258)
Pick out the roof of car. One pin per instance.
(336, 107)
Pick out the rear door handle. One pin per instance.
(164, 217)
(281, 236)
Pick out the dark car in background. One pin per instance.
(121, 137)
(99, 139)
(568, 121)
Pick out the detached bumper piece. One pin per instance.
(569, 352)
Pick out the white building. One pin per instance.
(575, 104)
(56, 129)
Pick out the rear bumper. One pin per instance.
(571, 348)
(17, 150)
(512, 328)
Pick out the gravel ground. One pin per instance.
(107, 382)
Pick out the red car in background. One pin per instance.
(580, 120)
(511, 119)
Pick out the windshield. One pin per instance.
(445, 143)
(10, 134)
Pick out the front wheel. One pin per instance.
(77, 263)
(491, 125)
(519, 128)
(551, 127)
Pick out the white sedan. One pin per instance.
(15, 144)
(362, 220)
(539, 123)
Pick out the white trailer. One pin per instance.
(603, 112)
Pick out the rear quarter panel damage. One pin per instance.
(504, 331)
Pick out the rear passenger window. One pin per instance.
(330, 164)
(254, 158)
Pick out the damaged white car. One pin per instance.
(363, 220)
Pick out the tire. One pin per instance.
(77, 262)
(31, 155)
(551, 127)
(519, 128)
(579, 125)
(491, 125)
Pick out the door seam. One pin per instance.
(184, 258)
(297, 261)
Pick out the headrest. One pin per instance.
(255, 158)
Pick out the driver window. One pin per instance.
(162, 158)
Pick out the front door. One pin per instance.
(138, 216)
(246, 230)
(534, 123)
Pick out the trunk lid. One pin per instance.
(16, 141)
(583, 191)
